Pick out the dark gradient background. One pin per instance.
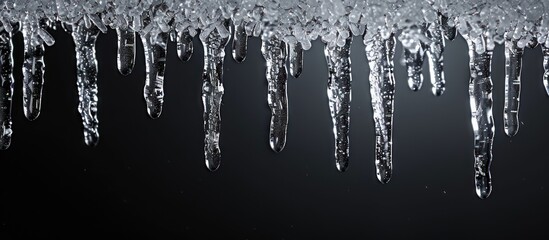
(147, 178)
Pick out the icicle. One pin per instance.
(414, 67)
(434, 55)
(33, 72)
(184, 45)
(240, 42)
(212, 93)
(86, 73)
(295, 54)
(513, 66)
(545, 50)
(155, 64)
(274, 52)
(126, 50)
(380, 54)
(339, 96)
(480, 94)
(6, 87)
(449, 32)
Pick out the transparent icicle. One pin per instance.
(449, 31)
(274, 52)
(212, 94)
(513, 66)
(434, 55)
(126, 50)
(86, 80)
(380, 54)
(240, 42)
(33, 72)
(339, 97)
(184, 45)
(295, 55)
(155, 65)
(545, 50)
(480, 97)
(414, 67)
(6, 88)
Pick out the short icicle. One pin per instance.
(295, 55)
(480, 97)
(6, 88)
(184, 45)
(380, 54)
(155, 64)
(545, 50)
(450, 32)
(434, 54)
(274, 52)
(33, 72)
(86, 75)
(126, 50)
(240, 42)
(212, 94)
(513, 66)
(413, 58)
(339, 97)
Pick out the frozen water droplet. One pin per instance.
(33, 73)
(184, 45)
(6, 88)
(126, 51)
(295, 55)
(339, 96)
(513, 66)
(380, 54)
(212, 93)
(155, 65)
(480, 93)
(274, 52)
(240, 43)
(86, 79)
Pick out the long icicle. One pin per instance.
(155, 64)
(240, 42)
(33, 72)
(126, 50)
(545, 50)
(513, 66)
(380, 54)
(86, 73)
(274, 52)
(480, 97)
(339, 97)
(212, 94)
(434, 54)
(6, 88)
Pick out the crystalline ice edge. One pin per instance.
(287, 28)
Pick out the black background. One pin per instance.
(147, 178)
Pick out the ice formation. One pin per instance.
(286, 28)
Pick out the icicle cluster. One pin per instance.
(286, 28)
